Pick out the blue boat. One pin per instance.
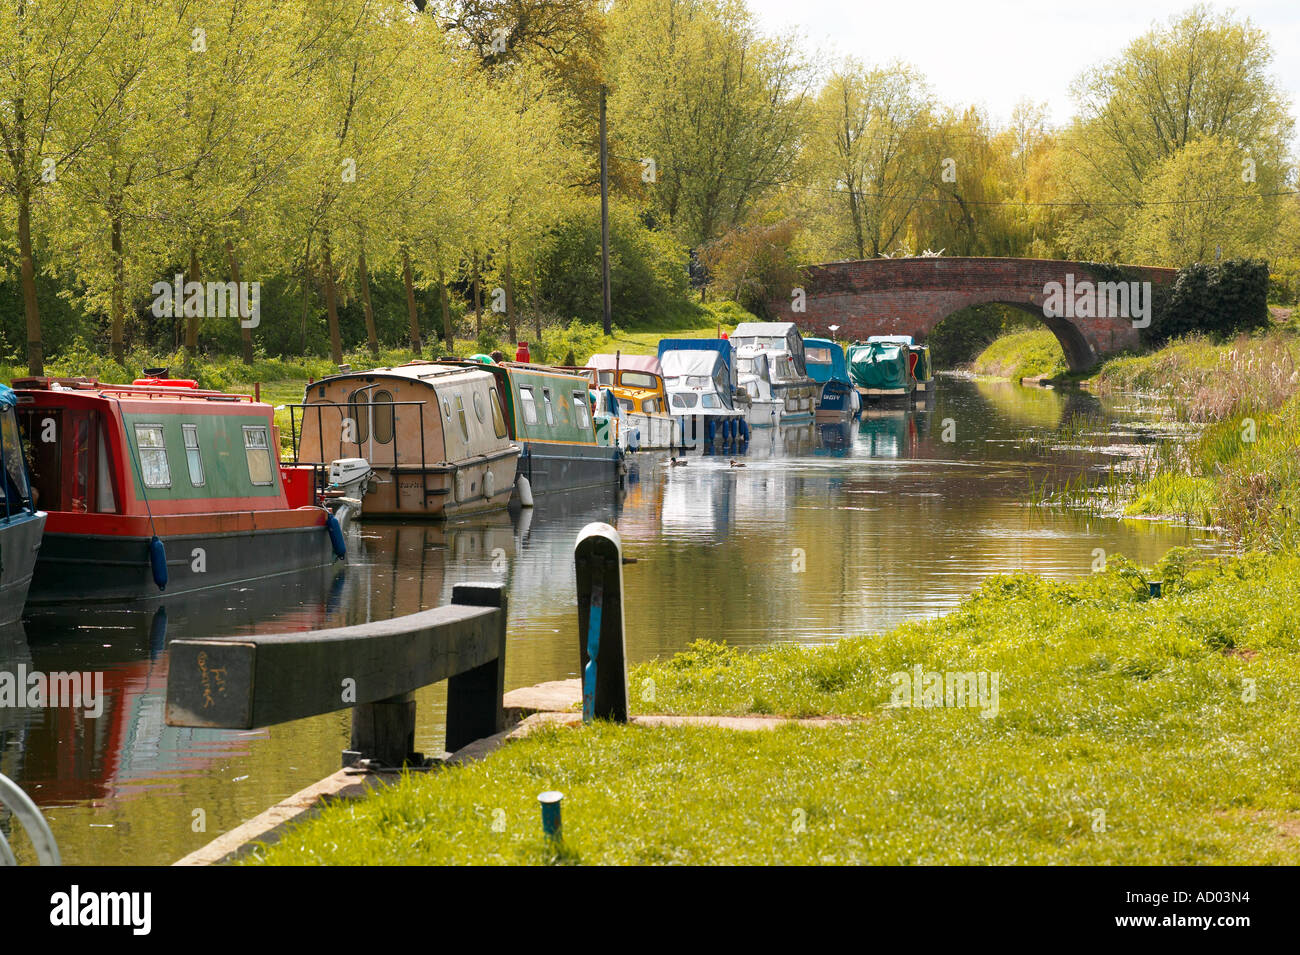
(21, 524)
(838, 401)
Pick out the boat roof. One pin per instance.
(836, 369)
(692, 362)
(764, 329)
(892, 339)
(606, 362)
(160, 389)
(426, 371)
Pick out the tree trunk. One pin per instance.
(448, 333)
(371, 335)
(537, 306)
(245, 332)
(117, 304)
(192, 317)
(331, 305)
(411, 315)
(478, 305)
(510, 300)
(35, 351)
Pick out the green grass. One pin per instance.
(1026, 354)
(1108, 701)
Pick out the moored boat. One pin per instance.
(838, 401)
(548, 413)
(880, 370)
(21, 523)
(700, 378)
(435, 437)
(777, 395)
(161, 488)
(638, 384)
(919, 364)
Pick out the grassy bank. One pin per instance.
(1026, 354)
(1127, 730)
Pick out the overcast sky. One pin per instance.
(996, 52)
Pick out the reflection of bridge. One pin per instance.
(910, 296)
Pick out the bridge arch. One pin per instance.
(910, 296)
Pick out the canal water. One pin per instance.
(821, 534)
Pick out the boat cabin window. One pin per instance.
(605, 377)
(638, 379)
(649, 406)
(498, 419)
(68, 460)
(528, 403)
(153, 455)
(710, 401)
(546, 403)
(17, 493)
(626, 403)
(745, 366)
(697, 381)
(460, 413)
(382, 416)
(193, 457)
(360, 415)
(580, 409)
(817, 356)
(478, 406)
(683, 401)
(257, 450)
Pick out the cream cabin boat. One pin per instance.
(435, 437)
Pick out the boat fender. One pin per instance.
(158, 562)
(459, 482)
(336, 537)
(489, 483)
(525, 491)
(744, 430)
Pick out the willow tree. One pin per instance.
(47, 59)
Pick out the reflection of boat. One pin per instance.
(880, 370)
(21, 524)
(434, 435)
(887, 433)
(838, 401)
(638, 384)
(700, 377)
(161, 486)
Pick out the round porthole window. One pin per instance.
(478, 406)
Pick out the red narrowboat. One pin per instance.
(160, 488)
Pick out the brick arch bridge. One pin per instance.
(910, 296)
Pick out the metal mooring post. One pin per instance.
(598, 562)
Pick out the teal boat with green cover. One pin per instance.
(881, 369)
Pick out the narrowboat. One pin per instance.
(160, 488)
(434, 436)
(918, 359)
(638, 384)
(22, 523)
(548, 413)
(838, 402)
(880, 370)
(700, 378)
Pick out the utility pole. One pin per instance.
(604, 219)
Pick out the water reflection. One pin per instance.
(823, 531)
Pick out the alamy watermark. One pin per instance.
(922, 689)
(32, 689)
(1131, 300)
(181, 299)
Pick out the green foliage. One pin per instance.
(1026, 354)
(960, 337)
(1221, 299)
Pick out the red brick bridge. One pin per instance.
(909, 296)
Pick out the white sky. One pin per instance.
(996, 52)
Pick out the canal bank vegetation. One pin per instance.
(1119, 729)
(1031, 353)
